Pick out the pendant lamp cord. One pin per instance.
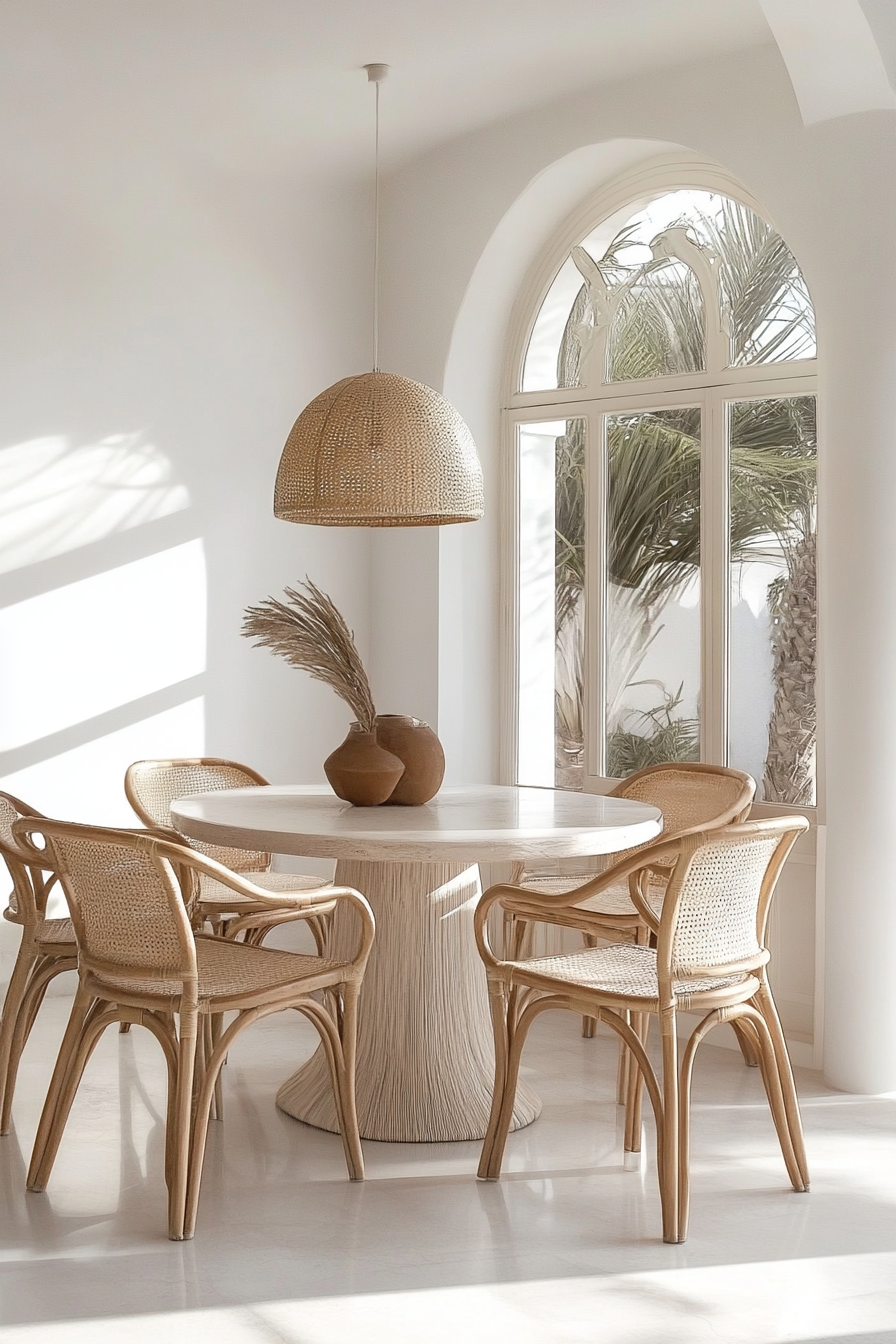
(376, 73)
(376, 236)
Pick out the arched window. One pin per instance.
(664, 483)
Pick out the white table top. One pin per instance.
(492, 823)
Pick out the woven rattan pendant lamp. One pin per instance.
(379, 450)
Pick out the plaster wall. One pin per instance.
(165, 318)
(462, 227)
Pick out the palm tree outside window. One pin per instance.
(665, 477)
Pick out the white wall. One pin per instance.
(165, 316)
(462, 226)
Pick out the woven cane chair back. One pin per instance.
(28, 898)
(125, 904)
(689, 796)
(718, 897)
(152, 786)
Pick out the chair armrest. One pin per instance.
(178, 854)
(538, 905)
(319, 898)
(646, 859)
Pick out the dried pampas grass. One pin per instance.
(309, 632)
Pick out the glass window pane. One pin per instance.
(551, 735)
(658, 325)
(653, 589)
(542, 354)
(773, 614)
(768, 311)
(636, 302)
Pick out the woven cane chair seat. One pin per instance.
(622, 969)
(228, 970)
(213, 893)
(614, 900)
(56, 932)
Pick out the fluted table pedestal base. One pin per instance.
(425, 1067)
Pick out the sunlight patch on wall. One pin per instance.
(91, 646)
(55, 496)
(87, 783)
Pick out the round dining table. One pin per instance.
(425, 1062)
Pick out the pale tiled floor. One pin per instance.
(565, 1248)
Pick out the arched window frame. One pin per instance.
(712, 390)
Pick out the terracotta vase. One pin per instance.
(361, 771)
(414, 743)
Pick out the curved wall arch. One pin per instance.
(830, 190)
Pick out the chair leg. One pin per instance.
(164, 1027)
(198, 1133)
(671, 1161)
(771, 1079)
(623, 1068)
(520, 934)
(320, 927)
(765, 1003)
(12, 1005)
(499, 1125)
(182, 1117)
(748, 1047)
(351, 1137)
(635, 1088)
(81, 1035)
(498, 1004)
(216, 1027)
(627, 1065)
(684, 1108)
(508, 931)
(589, 1024)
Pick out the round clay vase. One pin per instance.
(361, 771)
(414, 743)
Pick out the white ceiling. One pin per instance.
(260, 84)
(832, 55)
(265, 86)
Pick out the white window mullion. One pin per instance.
(595, 593)
(510, 622)
(715, 581)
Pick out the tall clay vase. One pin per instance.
(414, 743)
(361, 771)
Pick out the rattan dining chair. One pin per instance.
(47, 948)
(691, 797)
(710, 958)
(152, 786)
(140, 961)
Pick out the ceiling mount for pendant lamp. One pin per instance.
(376, 449)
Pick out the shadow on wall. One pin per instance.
(102, 621)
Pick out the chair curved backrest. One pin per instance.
(690, 797)
(152, 786)
(30, 886)
(717, 902)
(124, 899)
